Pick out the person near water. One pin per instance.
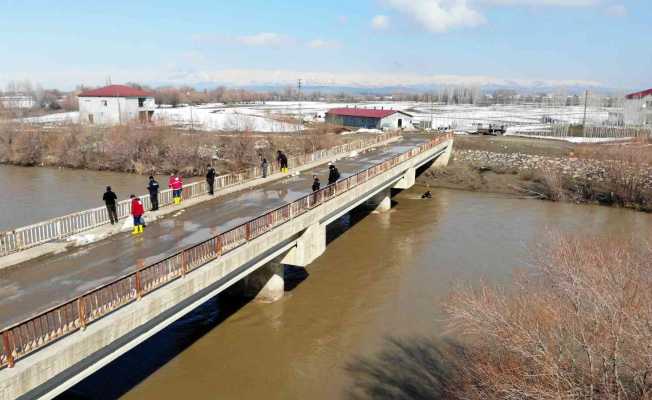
(152, 188)
(333, 174)
(263, 167)
(282, 160)
(210, 179)
(109, 199)
(137, 212)
(177, 188)
(315, 183)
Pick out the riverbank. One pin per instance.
(608, 174)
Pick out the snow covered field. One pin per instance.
(273, 116)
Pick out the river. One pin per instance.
(382, 276)
(34, 194)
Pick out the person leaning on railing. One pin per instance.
(110, 199)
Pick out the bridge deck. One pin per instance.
(39, 284)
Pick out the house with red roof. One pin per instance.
(637, 109)
(369, 118)
(115, 105)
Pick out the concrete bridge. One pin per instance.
(69, 315)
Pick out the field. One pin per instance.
(283, 116)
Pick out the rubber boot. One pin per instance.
(141, 229)
(135, 231)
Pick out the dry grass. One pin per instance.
(579, 326)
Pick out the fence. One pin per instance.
(38, 331)
(61, 227)
(615, 132)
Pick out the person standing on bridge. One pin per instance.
(210, 179)
(137, 211)
(316, 185)
(333, 174)
(176, 184)
(110, 199)
(263, 167)
(282, 160)
(153, 188)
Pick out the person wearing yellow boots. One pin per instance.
(282, 160)
(176, 183)
(137, 211)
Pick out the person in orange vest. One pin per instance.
(137, 211)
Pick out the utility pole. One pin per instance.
(300, 110)
(586, 102)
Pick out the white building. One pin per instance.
(369, 118)
(638, 108)
(17, 101)
(115, 105)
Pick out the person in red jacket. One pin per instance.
(137, 211)
(177, 188)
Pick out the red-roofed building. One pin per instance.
(369, 118)
(115, 105)
(638, 108)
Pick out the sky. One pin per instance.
(61, 44)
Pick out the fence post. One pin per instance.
(81, 310)
(218, 245)
(8, 353)
(139, 282)
(248, 231)
(184, 264)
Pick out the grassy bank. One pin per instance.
(611, 174)
(148, 149)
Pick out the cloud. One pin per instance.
(343, 19)
(323, 44)
(438, 16)
(265, 39)
(380, 22)
(542, 3)
(616, 10)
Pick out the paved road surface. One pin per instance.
(42, 283)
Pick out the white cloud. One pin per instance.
(438, 16)
(555, 3)
(380, 22)
(343, 19)
(323, 44)
(616, 10)
(264, 39)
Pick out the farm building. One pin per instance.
(115, 105)
(638, 108)
(17, 101)
(369, 118)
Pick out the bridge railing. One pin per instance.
(61, 227)
(40, 330)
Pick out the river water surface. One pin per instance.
(34, 194)
(382, 276)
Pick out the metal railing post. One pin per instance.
(9, 354)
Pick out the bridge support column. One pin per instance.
(267, 283)
(443, 159)
(408, 180)
(381, 201)
(310, 245)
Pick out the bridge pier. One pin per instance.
(267, 283)
(310, 245)
(380, 202)
(408, 180)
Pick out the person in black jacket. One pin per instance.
(282, 160)
(153, 188)
(333, 174)
(110, 199)
(210, 179)
(315, 183)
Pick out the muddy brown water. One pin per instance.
(35, 194)
(382, 276)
